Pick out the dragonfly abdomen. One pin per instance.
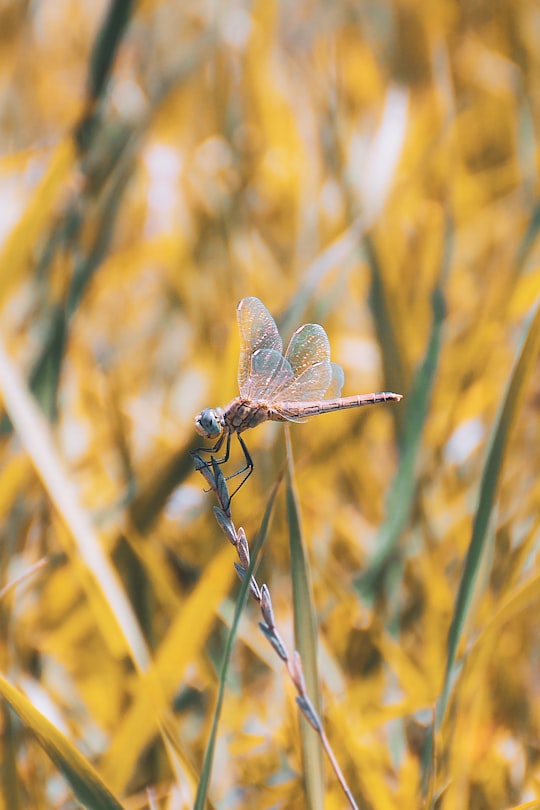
(303, 410)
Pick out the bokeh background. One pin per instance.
(371, 166)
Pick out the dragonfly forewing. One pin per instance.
(270, 374)
(258, 331)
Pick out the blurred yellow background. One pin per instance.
(369, 166)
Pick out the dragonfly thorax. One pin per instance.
(209, 422)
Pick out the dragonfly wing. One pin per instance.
(312, 384)
(286, 417)
(269, 372)
(309, 356)
(337, 382)
(258, 331)
(309, 345)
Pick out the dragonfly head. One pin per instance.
(209, 423)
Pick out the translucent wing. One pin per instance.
(308, 354)
(338, 380)
(308, 345)
(258, 331)
(313, 383)
(312, 377)
(269, 372)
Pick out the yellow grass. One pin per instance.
(369, 167)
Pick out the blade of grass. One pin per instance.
(15, 256)
(9, 786)
(481, 527)
(335, 255)
(305, 631)
(106, 45)
(521, 601)
(152, 496)
(47, 370)
(402, 492)
(204, 782)
(385, 148)
(103, 54)
(393, 362)
(490, 479)
(118, 623)
(154, 692)
(16, 475)
(86, 783)
(529, 239)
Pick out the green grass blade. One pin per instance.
(402, 492)
(9, 787)
(86, 783)
(305, 628)
(529, 239)
(336, 255)
(106, 45)
(488, 489)
(202, 790)
(393, 362)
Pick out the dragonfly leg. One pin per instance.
(215, 449)
(207, 465)
(247, 467)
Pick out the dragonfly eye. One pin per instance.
(207, 424)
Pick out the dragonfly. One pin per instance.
(279, 387)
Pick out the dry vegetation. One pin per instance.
(371, 166)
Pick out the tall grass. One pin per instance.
(372, 170)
